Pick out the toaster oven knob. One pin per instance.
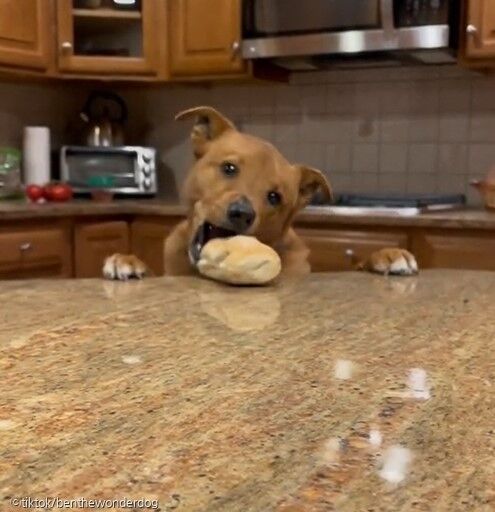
(147, 183)
(146, 158)
(146, 170)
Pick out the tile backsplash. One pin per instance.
(405, 130)
(39, 104)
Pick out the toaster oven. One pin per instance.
(129, 170)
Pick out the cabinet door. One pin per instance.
(148, 239)
(94, 242)
(480, 29)
(205, 37)
(35, 252)
(25, 31)
(463, 250)
(108, 41)
(334, 249)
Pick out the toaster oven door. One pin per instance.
(114, 169)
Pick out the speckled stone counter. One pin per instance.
(347, 392)
(472, 218)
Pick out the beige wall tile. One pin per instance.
(365, 183)
(483, 94)
(455, 95)
(422, 159)
(421, 184)
(312, 154)
(394, 129)
(453, 158)
(392, 183)
(480, 159)
(423, 128)
(338, 158)
(365, 158)
(453, 127)
(340, 181)
(482, 127)
(393, 158)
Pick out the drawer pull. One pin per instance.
(236, 48)
(25, 246)
(349, 253)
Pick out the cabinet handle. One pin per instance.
(471, 30)
(66, 47)
(236, 47)
(349, 253)
(25, 246)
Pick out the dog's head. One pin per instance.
(242, 184)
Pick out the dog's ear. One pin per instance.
(311, 181)
(209, 124)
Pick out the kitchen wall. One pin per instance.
(407, 130)
(46, 104)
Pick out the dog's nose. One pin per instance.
(240, 214)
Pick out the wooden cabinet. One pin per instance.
(109, 41)
(205, 37)
(458, 249)
(93, 242)
(28, 252)
(148, 239)
(336, 249)
(25, 33)
(480, 29)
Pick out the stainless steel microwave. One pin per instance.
(129, 170)
(316, 33)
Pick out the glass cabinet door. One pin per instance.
(107, 36)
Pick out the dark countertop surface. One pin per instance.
(348, 392)
(463, 218)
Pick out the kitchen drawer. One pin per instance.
(459, 249)
(36, 252)
(148, 241)
(334, 249)
(94, 241)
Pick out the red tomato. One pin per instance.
(60, 192)
(34, 192)
(47, 191)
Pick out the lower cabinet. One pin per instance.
(339, 249)
(457, 249)
(93, 242)
(30, 252)
(78, 248)
(148, 240)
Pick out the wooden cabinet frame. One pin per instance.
(19, 53)
(152, 16)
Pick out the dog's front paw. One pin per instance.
(123, 267)
(392, 261)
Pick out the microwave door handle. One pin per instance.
(387, 17)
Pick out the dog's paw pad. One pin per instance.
(394, 261)
(123, 267)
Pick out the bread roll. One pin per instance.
(239, 260)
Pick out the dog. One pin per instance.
(241, 184)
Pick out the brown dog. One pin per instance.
(242, 184)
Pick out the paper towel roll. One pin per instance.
(36, 155)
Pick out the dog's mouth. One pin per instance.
(204, 234)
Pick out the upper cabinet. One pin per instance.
(140, 40)
(105, 40)
(205, 37)
(25, 33)
(480, 29)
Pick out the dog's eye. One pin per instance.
(274, 198)
(229, 169)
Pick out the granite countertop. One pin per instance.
(463, 218)
(347, 392)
